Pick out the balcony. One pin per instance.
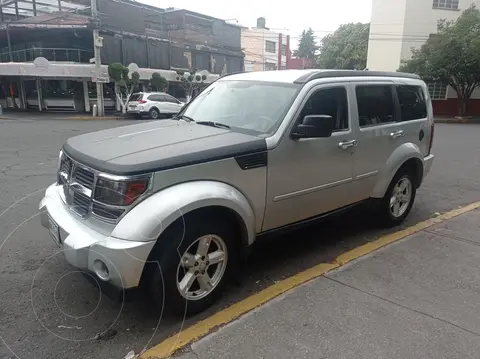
(51, 54)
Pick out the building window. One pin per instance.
(445, 4)
(270, 46)
(270, 67)
(284, 50)
(438, 91)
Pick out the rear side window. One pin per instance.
(136, 97)
(170, 99)
(157, 98)
(412, 102)
(375, 105)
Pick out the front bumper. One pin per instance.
(84, 247)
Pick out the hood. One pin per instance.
(158, 145)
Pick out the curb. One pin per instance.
(68, 118)
(179, 340)
(85, 118)
(457, 120)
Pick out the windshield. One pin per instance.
(253, 106)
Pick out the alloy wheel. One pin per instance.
(202, 267)
(401, 197)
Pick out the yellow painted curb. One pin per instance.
(179, 340)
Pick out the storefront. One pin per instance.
(47, 86)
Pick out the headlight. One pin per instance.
(119, 193)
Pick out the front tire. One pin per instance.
(398, 200)
(191, 275)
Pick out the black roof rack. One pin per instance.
(314, 75)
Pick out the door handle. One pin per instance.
(344, 145)
(397, 134)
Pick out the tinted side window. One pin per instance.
(375, 105)
(412, 102)
(136, 97)
(332, 102)
(170, 99)
(157, 98)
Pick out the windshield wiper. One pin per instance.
(213, 124)
(183, 117)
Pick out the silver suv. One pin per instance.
(153, 104)
(172, 206)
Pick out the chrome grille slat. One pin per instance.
(81, 203)
(84, 177)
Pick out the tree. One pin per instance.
(346, 48)
(452, 56)
(190, 81)
(158, 82)
(307, 47)
(125, 85)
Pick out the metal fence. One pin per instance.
(51, 54)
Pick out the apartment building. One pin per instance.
(264, 49)
(397, 26)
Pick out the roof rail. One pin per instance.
(351, 73)
(230, 74)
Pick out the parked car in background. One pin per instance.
(153, 104)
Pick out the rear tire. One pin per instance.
(154, 114)
(181, 262)
(398, 200)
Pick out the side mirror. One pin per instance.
(314, 126)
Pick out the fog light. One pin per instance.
(101, 270)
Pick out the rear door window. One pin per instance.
(375, 105)
(413, 105)
(156, 98)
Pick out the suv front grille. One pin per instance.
(78, 183)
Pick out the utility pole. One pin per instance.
(97, 43)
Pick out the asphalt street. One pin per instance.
(48, 310)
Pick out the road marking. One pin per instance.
(179, 340)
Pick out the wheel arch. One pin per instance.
(408, 156)
(150, 218)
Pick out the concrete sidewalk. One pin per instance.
(417, 298)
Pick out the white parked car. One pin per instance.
(154, 104)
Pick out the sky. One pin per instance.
(289, 17)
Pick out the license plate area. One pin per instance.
(54, 230)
